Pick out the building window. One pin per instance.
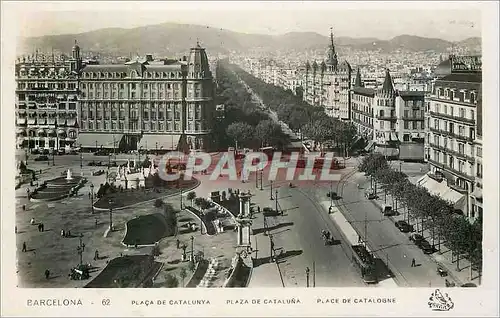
(414, 124)
(406, 124)
(169, 126)
(436, 123)
(461, 149)
(479, 170)
(479, 152)
(121, 125)
(462, 112)
(472, 98)
(472, 114)
(177, 126)
(381, 124)
(406, 113)
(472, 133)
(461, 130)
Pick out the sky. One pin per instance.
(448, 21)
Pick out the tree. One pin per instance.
(191, 196)
(158, 203)
(183, 275)
(241, 133)
(171, 281)
(269, 133)
(170, 217)
(459, 235)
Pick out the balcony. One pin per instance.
(413, 118)
(457, 118)
(451, 134)
(391, 118)
(452, 170)
(362, 112)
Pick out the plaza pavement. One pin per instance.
(48, 250)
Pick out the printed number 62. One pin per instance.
(106, 302)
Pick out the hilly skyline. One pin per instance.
(172, 38)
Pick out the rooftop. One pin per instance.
(364, 91)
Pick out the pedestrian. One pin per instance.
(40, 171)
(24, 247)
(178, 243)
(39, 227)
(24, 207)
(96, 222)
(47, 274)
(63, 234)
(258, 209)
(413, 262)
(89, 195)
(43, 227)
(96, 255)
(68, 233)
(32, 221)
(16, 229)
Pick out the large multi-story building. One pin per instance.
(454, 142)
(142, 104)
(328, 84)
(46, 101)
(390, 121)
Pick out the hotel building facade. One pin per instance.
(144, 104)
(328, 84)
(391, 121)
(454, 136)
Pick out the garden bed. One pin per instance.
(147, 230)
(199, 273)
(121, 199)
(126, 272)
(239, 276)
(232, 205)
(209, 226)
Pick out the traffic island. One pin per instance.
(119, 198)
(131, 271)
(148, 229)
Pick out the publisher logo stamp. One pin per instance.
(440, 302)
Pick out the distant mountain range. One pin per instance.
(170, 38)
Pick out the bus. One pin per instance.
(364, 263)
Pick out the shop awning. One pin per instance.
(42, 121)
(51, 121)
(31, 121)
(411, 151)
(52, 132)
(20, 131)
(41, 132)
(71, 122)
(61, 121)
(109, 141)
(393, 136)
(440, 188)
(61, 132)
(387, 151)
(370, 145)
(21, 121)
(164, 142)
(478, 193)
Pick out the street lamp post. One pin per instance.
(256, 179)
(92, 197)
(192, 249)
(331, 194)
(271, 181)
(110, 216)
(181, 197)
(307, 276)
(261, 178)
(53, 156)
(96, 145)
(276, 200)
(80, 248)
(81, 157)
(156, 148)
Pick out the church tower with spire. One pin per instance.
(199, 102)
(76, 60)
(328, 83)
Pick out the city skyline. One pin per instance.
(455, 24)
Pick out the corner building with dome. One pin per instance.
(143, 104)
